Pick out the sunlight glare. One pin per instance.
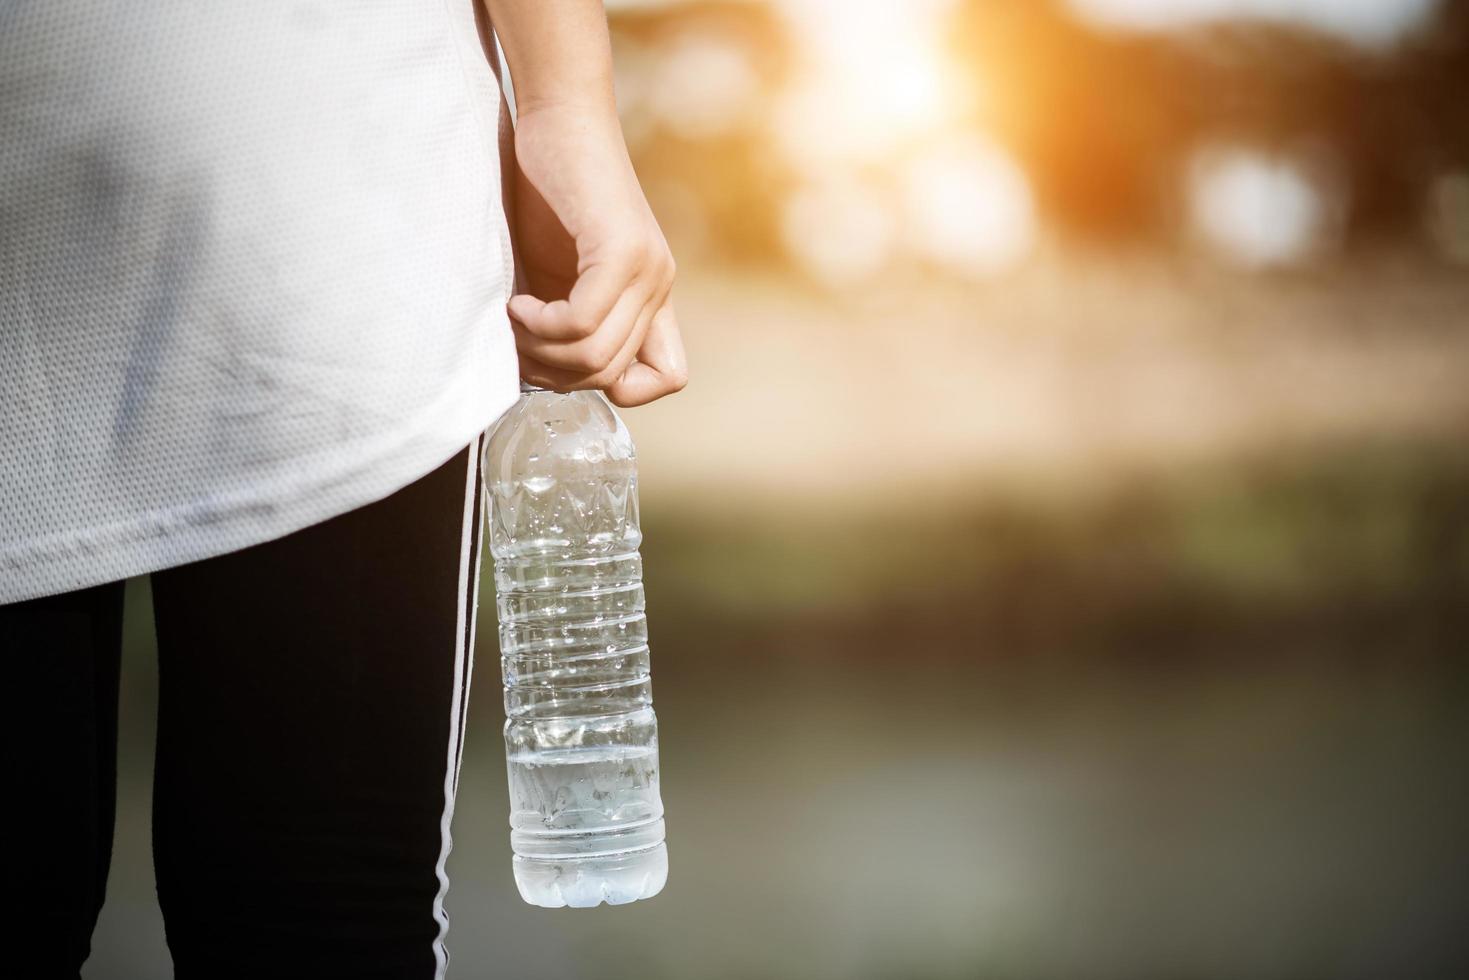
(874, 77)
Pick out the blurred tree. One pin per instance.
(1104, 120)
(732, 176)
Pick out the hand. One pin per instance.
(598, 270)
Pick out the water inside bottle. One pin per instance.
(598, 787)
(588, 825)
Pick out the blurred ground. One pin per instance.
(1105, 623)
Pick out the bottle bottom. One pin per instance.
(586, 882)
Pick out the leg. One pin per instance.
(311, 703)
(59, 702)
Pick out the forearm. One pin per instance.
(558, 52)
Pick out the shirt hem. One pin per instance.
(221, 523)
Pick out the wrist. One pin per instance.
(589, 110)
(572, 133)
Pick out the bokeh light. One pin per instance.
(1368, 22)
(841, 230)
(702, 86)
(968, 207)
(1255, 210)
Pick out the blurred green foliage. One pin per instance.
(1380, 530)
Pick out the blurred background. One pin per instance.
(1059, 563)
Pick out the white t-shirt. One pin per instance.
(253, 272)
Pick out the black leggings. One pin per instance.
(312, 696)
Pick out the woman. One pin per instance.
(255, 311)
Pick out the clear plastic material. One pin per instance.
(581, 741)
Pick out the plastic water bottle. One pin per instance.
(581, 741)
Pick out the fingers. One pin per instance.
(598, 337)
(576, 370)
(661, 367)
(593, 297)
(594, 353)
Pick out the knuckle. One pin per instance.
(604, 378)
(660, 266)
(581, 326)
(585, 360)
(596, 357)
(631, 251)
